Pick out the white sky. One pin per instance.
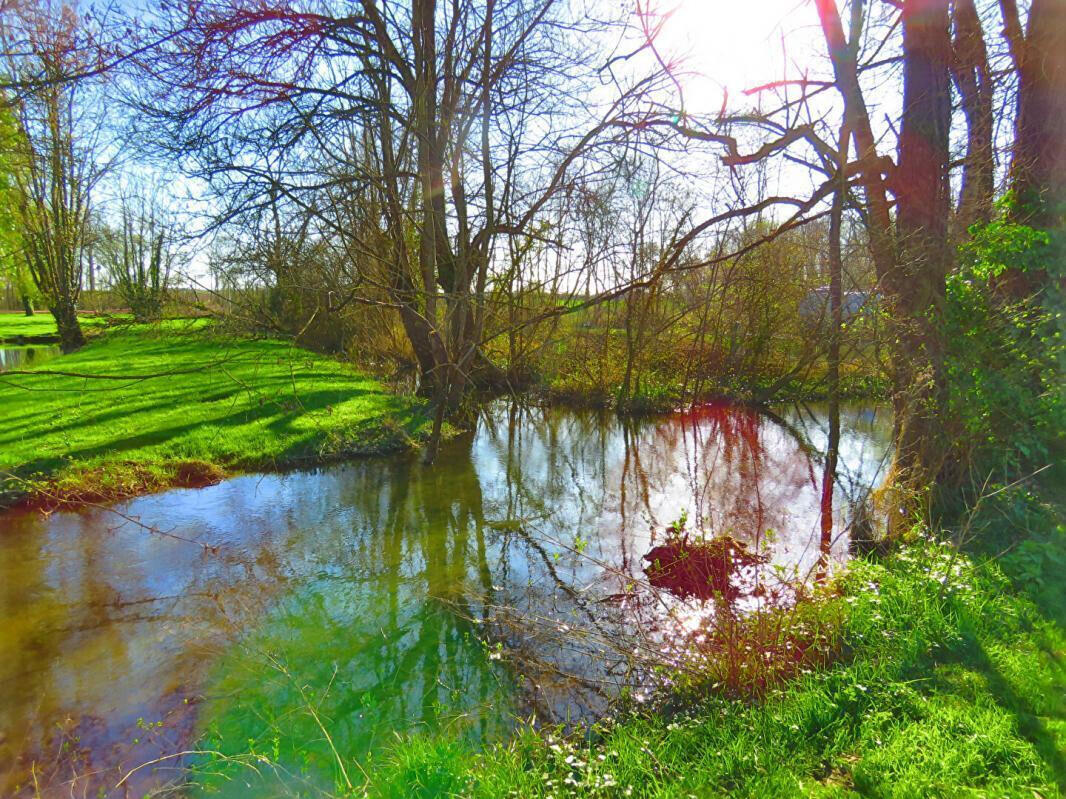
(735, 45)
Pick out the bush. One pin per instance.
(1002, 358)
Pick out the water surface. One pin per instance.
(383, 595)
(24, 357)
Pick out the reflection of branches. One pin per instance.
(621, 638)
(60, 502)
(858, 486)
(615, 653)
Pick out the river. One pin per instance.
(506, 580)
(26, 355)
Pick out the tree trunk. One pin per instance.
(70, 335)
(418, 334)
(1038, 168)
(836, 316)
(974, 82)
(92, 270)
(915, 288)
(27, 304)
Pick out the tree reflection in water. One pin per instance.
(505, 580)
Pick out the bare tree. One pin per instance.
(140, 256)
(58, 147)
(452, 127)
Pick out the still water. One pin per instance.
(505, 581)
(23, 357)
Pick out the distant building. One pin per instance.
(815, 305)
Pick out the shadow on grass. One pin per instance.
(972, 656)
(278, 420)
(281, 401)
(1033, 566)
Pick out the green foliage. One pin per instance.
(1003, 367)
(1016, 519)
(1001, 244)
(8, 164)
(12, 265)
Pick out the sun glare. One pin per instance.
(728, 46)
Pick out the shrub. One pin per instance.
(1002, 358)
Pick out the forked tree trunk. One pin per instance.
(70, 336)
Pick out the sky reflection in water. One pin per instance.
(506, 579)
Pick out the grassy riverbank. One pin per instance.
(947, 680)
(951, 682)
(144, 408)
(15, 325)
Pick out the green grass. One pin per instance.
(952, 684)
(188, 407)
(18, 324)
(42, 323)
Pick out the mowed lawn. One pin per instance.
(41, 323)
(145, 407)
